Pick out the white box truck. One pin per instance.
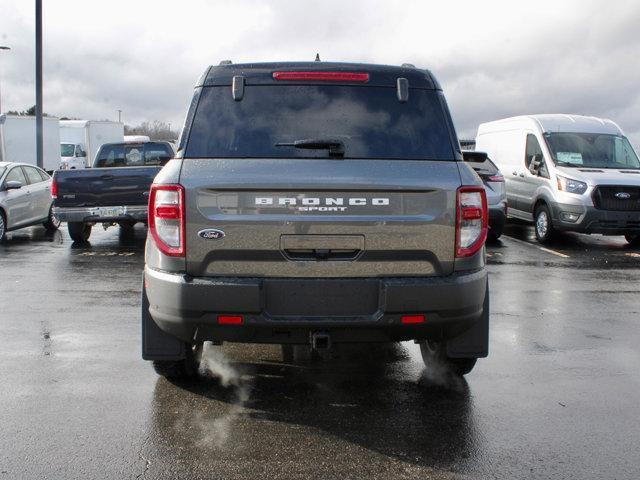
(18, 140)
(80, 141)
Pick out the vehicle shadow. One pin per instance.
(365, 398)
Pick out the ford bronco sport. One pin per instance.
(316, 204)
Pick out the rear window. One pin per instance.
(481, 164)
(133, 155)
(369, 121)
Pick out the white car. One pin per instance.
(25, 198)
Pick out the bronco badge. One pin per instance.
(211, 234)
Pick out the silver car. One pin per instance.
(25, 198)
(493, 186)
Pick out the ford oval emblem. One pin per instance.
(211, 234)
(623, 195)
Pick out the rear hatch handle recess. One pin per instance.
(335, 147)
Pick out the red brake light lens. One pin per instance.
(166, 219)
(230, 320)
(411, 319)
(496, 178)
(471, 220)
(323, 76)
(54, 188)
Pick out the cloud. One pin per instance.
(493, 58)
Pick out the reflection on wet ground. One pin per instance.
(557, 397)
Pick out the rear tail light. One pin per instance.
(323, 76)
(166, 218)
(471, 220)
(496, 178)
(230, 320)
(411, 319)
(54, 188)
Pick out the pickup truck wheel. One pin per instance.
(52, 224)
(633, 239)
(436, 353)
(545, 232)
(181, 369)
(79, 232)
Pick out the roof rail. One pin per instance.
(408, 65)
(225, 62)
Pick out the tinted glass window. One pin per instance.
(33, 175)
(157, 153)
(16, 175)
(593, 150)
(134, 155)
(2, 169)
(45, 176)
(369, 121)
(67, 149)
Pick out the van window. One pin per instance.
(369, 121)
(66, 149)
(534, 150)
(594, 150)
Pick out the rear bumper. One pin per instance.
(279, 310)
(135, 213)
(593, 220)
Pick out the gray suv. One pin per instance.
(315, 204)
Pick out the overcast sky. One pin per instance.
(493, 58)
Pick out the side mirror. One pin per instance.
(81, 153)
(13, 185)
(534, 166)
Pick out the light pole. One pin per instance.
(2, 47)
(119, 116)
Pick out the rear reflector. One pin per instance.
(323, 76)
(229, 320)
(411, 319)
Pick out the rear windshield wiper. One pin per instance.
(335, 147)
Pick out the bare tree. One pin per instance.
(155, 130)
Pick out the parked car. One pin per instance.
(494, 186)
(114, 191)
(80, 140)
(25, 198)
(567, 173)
(313, 204)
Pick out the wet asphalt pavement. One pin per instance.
(558, 397)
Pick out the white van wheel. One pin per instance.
(543, 224)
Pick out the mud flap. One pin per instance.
(157, 344)
(474, 343)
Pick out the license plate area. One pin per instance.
(108, 212)
(321, 298)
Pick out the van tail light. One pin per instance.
(166, 218)
(54, 188)
(496, 178)
(358, 77)
(471, 220)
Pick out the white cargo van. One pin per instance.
(18, 141)
(567, 172)
(80, 140)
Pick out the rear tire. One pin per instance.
(79, 231)
(495, 233)
(436, 353)
(52, 224)
(633, 239)
(181, 369)
(3, 227)
(543, 224)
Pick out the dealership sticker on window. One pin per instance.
(570, 157)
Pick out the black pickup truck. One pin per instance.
(114, 191)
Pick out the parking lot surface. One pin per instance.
(557, 397)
